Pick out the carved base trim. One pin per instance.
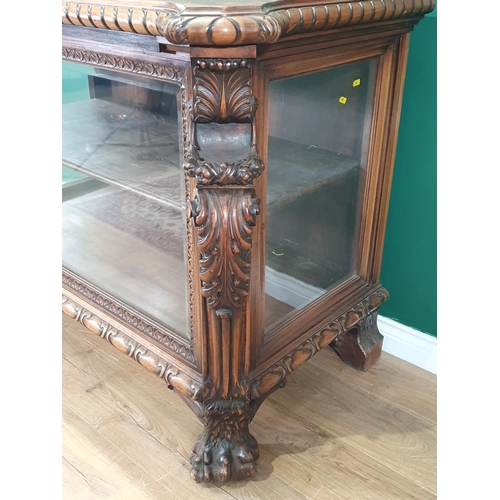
(335, 333)
(179, 347)
(177, 380)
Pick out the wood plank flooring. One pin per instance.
(331, 433)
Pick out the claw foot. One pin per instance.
(222, 460)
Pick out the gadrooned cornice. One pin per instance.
(201, 26)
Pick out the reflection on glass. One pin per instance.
(123, 197)
(318, 138)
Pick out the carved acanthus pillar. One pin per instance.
(224, 211)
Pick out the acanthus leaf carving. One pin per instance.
(223, 220)
(223, 91)
(207, 173)
(166, 72)
(224, 212)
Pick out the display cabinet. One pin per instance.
(226, 177)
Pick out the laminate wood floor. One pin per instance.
(331, 433)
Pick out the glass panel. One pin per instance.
(123, 216)
(318, 138)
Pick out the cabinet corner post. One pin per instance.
(222, 159)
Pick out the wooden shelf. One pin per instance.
(297, 169)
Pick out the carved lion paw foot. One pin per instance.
(222, 460)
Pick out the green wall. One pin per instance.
(409, 266)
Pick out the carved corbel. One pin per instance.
(224, 211)
(223, 94)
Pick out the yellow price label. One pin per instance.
(342, 100)
(356, 82)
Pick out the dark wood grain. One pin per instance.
(218, 65)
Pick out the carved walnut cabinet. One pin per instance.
(226, 177)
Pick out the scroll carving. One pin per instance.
(239, 172)
(223, 220)
(333, 334)
(224, 212)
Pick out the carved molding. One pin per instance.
(187, 25)
(164, 72)
(222, 30)
(185, 128)
(133, 320)
(177, 346)
(339, 15)
(332, 333)
(175, 378)
(147, 21)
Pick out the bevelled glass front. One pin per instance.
(319, 126)
(123, 212)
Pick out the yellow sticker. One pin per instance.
(357, 82)
(342, 100)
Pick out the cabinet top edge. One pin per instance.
(235, 22)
